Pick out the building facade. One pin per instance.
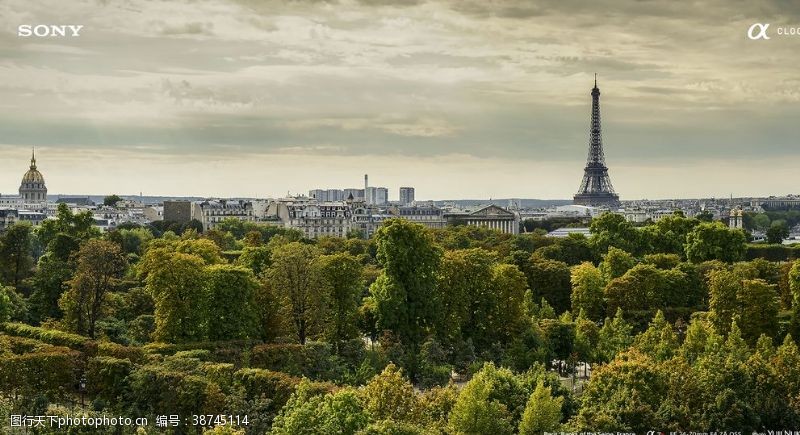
(406, 195)
(14, 202)
(376, 195)
(790, 202)
(427, 215)
(492, 216)
(211, 212)
(8, 217)
(177, 211)
(314, 219)
(367, 219)
(353, 194)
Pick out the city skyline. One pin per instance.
(458, 99)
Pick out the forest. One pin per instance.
(678, 325)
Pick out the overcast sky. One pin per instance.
(459, 98)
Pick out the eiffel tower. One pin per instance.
(596, 188)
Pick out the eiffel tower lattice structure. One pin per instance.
(596, 189)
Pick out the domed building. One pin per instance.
(32, 189)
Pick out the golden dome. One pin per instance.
(33, 175)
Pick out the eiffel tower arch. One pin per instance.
(596, 188)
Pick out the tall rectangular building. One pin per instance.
(376, 195)
(335, 195)
(358, 194)
(320, 195)
(178, 211)
(382, 196)
(406, 195)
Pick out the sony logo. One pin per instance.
(51, 30)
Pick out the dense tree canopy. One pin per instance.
(100, 266)
(405, 292)
(714, 241)
(611, 229)
(415, 331)
(16, 261)
(299, 289)
(587, 291)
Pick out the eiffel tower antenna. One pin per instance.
(596, 188)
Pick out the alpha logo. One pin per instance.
(49, 30)
(758, 31)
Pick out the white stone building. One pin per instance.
(490, 216)
(314, 219)
(213, 211)
(367, 219)
(428, 215)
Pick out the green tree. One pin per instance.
(308, 412)
(572, 250)
(663, 261)
(389, 396)
(255, 258)
(723, 288)
(761, 221)
(757, 305)
(342, 275)
(726, 389)
(5, 305)
(777, 232)
(611, 229)
(624, 395)
(299, 288)
(542, 412)
(467, 295)
(405, 292)
(133, 240)
(698, 336)
(668, 234)
(770, 407)
(100, 266)
(177, 283)
(587, 291)
(715, 241)
(560, 334)
(203, 248)
(79, 226)
(659, 341)
(477, 412)
(507, 317)
(49, 283)
(253, 238)
(646, 288)
(111, 200)
(230, 298)
(224, 241)
(615, 336)
(615, 263)
(786, 365)
(587, 338)
(268, 310)
(550, 280)
(794, 286)
(705, 216)
(751, 303)
(16, 262)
